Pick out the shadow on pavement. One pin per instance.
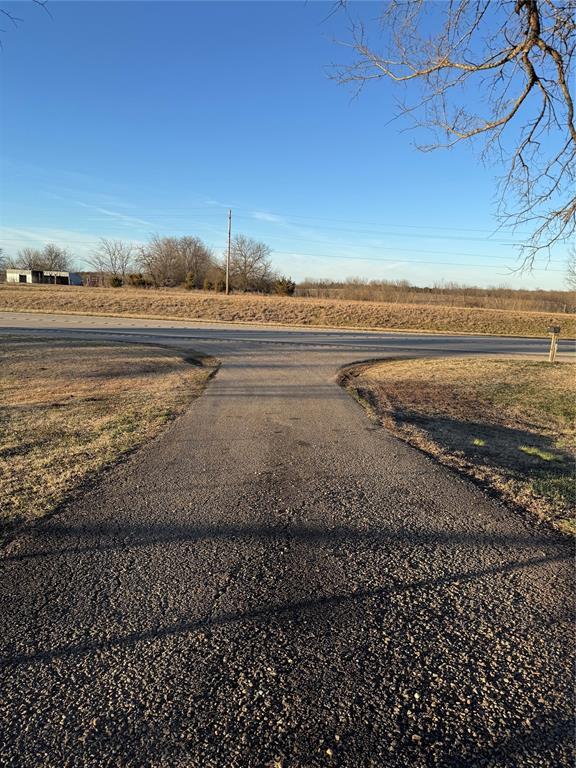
(123, 537)
(278, 612)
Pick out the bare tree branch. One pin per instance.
(170, 261)
(495, 72)
(250, 266)
(51, 257)
(113, 258)
(16, 20)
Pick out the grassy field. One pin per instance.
(511, 425)
(446, 295)
(70, 408)
(184, 305)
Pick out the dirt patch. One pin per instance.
(510, 425)
(70, 408)
(175, 304)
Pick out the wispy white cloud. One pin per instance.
(301, 266)
(215, 203)
(56, 182)
(80, 244)
(129, 221)
(271, 217)
(69, 195)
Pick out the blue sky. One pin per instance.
(121, 119)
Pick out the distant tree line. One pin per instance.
(442, 293)
(165, 262)
(50, 257)
(189, 263)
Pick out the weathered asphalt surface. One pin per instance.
(276, 581)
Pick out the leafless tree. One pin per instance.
(250, 266)
(571, 269)
(27, 258)
(160, 261)
(113, 258)
(169, 261)
(495, 72)
(196, 259)
(51, 257)
(55, 257)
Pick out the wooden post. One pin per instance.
(554, 330)
(228, 253)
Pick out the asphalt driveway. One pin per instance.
(277, 582)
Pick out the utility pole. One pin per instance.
(228, 254)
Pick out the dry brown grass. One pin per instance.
(511, 425)
(450, 295)
(70, 408)
(183, 305)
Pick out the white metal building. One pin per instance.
(46, 276)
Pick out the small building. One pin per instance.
(23, 275)
(42, 276)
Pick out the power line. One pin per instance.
(406, 261)
(286, 218)
(393, 248)
(355, 231)
(292, 239)
(382, 233)
(115, 224)
(351, 258)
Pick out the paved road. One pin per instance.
(275, 581)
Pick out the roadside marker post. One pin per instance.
(554, 330)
